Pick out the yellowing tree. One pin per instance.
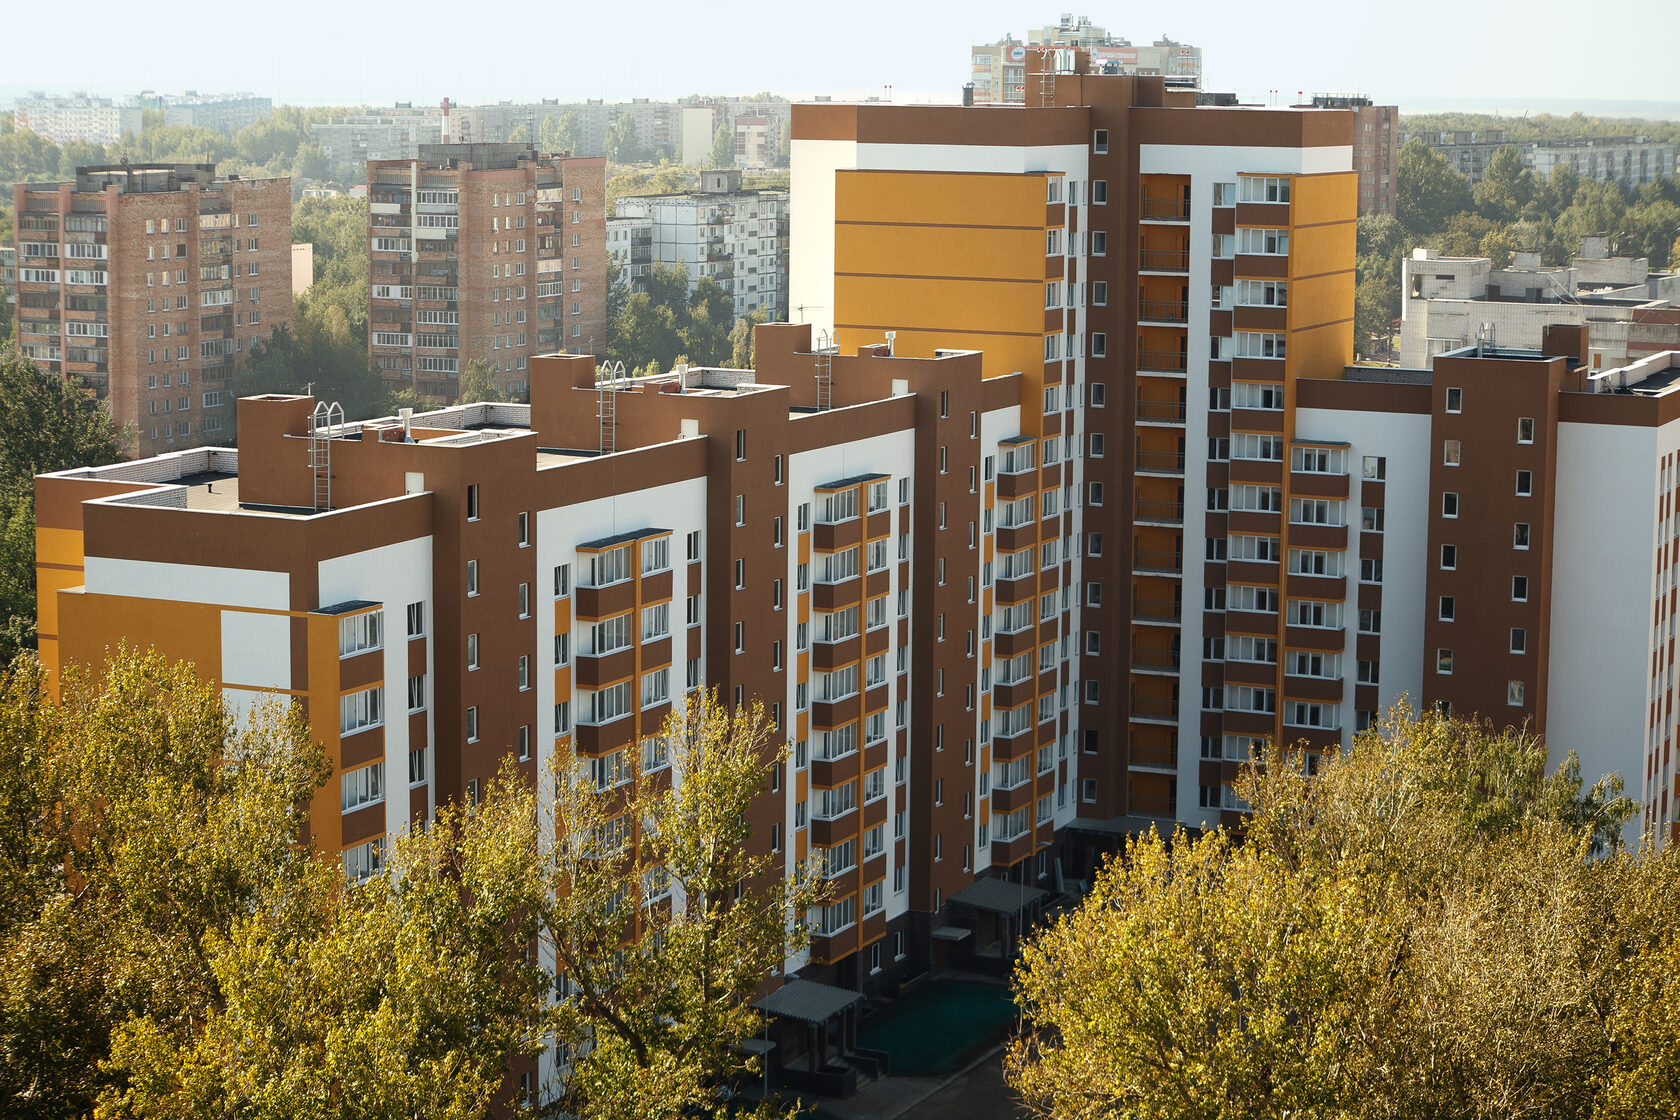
(1430, 926)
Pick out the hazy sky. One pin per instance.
(309, 51)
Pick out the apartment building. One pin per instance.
(1631, 161)
(1451, 302)
(1168, 273)
(395, 133)
(1492, 571)
(737, 237)
(483, 252)
(225, 113)
(150, 283)
(853, 539)
(77, 117)
(998, 70)
(1376, 148)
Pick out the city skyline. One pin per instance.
(1512, 64)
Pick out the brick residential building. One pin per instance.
(1376, 149)
(150, 283)
(485, 252)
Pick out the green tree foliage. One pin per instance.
(741, 339)
(1507, 188)
(560, 133)
(1542, 126)
(1431, 925)
(668, 178)
(723, 147)
(50, 425)
(478, 383)
(140, 828)
(1429, 192)
(663, 992)
(621, 140)
(662, 321)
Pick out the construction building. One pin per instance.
(736, 236)
(1451, 302)
(150, 284)
(486, 252)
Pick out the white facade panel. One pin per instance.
(256, 650)
(188, 583)
(1603, 583)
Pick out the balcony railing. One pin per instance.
(1169, 512)
(1164, 209)
(1156, 659)
(1170, 412)
(1159, 758)
(1148, 707)
(1164, 260)
(1169, 462)
(1157, 560)
(1170, 361)
(1157, 610)
(1164, 311)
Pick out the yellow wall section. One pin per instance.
(1315, 250)
(94, 625)
(953, 305)
(940, 197)
(888, 250)
(881, 264)
(325, 820)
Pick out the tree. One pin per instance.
(1428, 192)
(1419, 929)
(478, 383)
(621, 139)
(51, 424)
(741, 339)
(659, 954)
(561, 133)
(723, 147)
(1507, 187)
(138, 827)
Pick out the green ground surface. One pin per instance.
(939, 1028)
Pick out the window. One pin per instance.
(694, 545)
(1376, 468)
(472, 651)
(472, 577)
(416, 693)
(1370, 622)
(1519, 640)
(1519, 589)
(524, 530)
(1448, 609)
(1514, 693)
(472, 503)
(417, 766)
(1099, 293)
(1525, 429)
(609, 567)
(361, 710)
(1449, 504)
(1525, 484)
(1444, 662)
(1099, 345)
(1266, 242)
(562, 580)
(1449, 557)
(360, 632)
(1519, 535)
(363, 861)
(1099, 243)
(1371, 519)
(1455, 400)
(362, 787)
(417, 620)
(1099, 146)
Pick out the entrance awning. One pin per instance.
(996, 896)
(806, 1001)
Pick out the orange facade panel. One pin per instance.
(973, 199)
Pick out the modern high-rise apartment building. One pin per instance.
(737, 237)
(1161, 276)
(487, 252)
(150, 283)
(1376, 149)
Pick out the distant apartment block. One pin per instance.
(998, 70)
(392, 134)
(78, 117)
(1376, 149)
(1451, 302)
(226, 113)
(151, 283)
(737, 237)
(1631, 161)
(487, 252)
